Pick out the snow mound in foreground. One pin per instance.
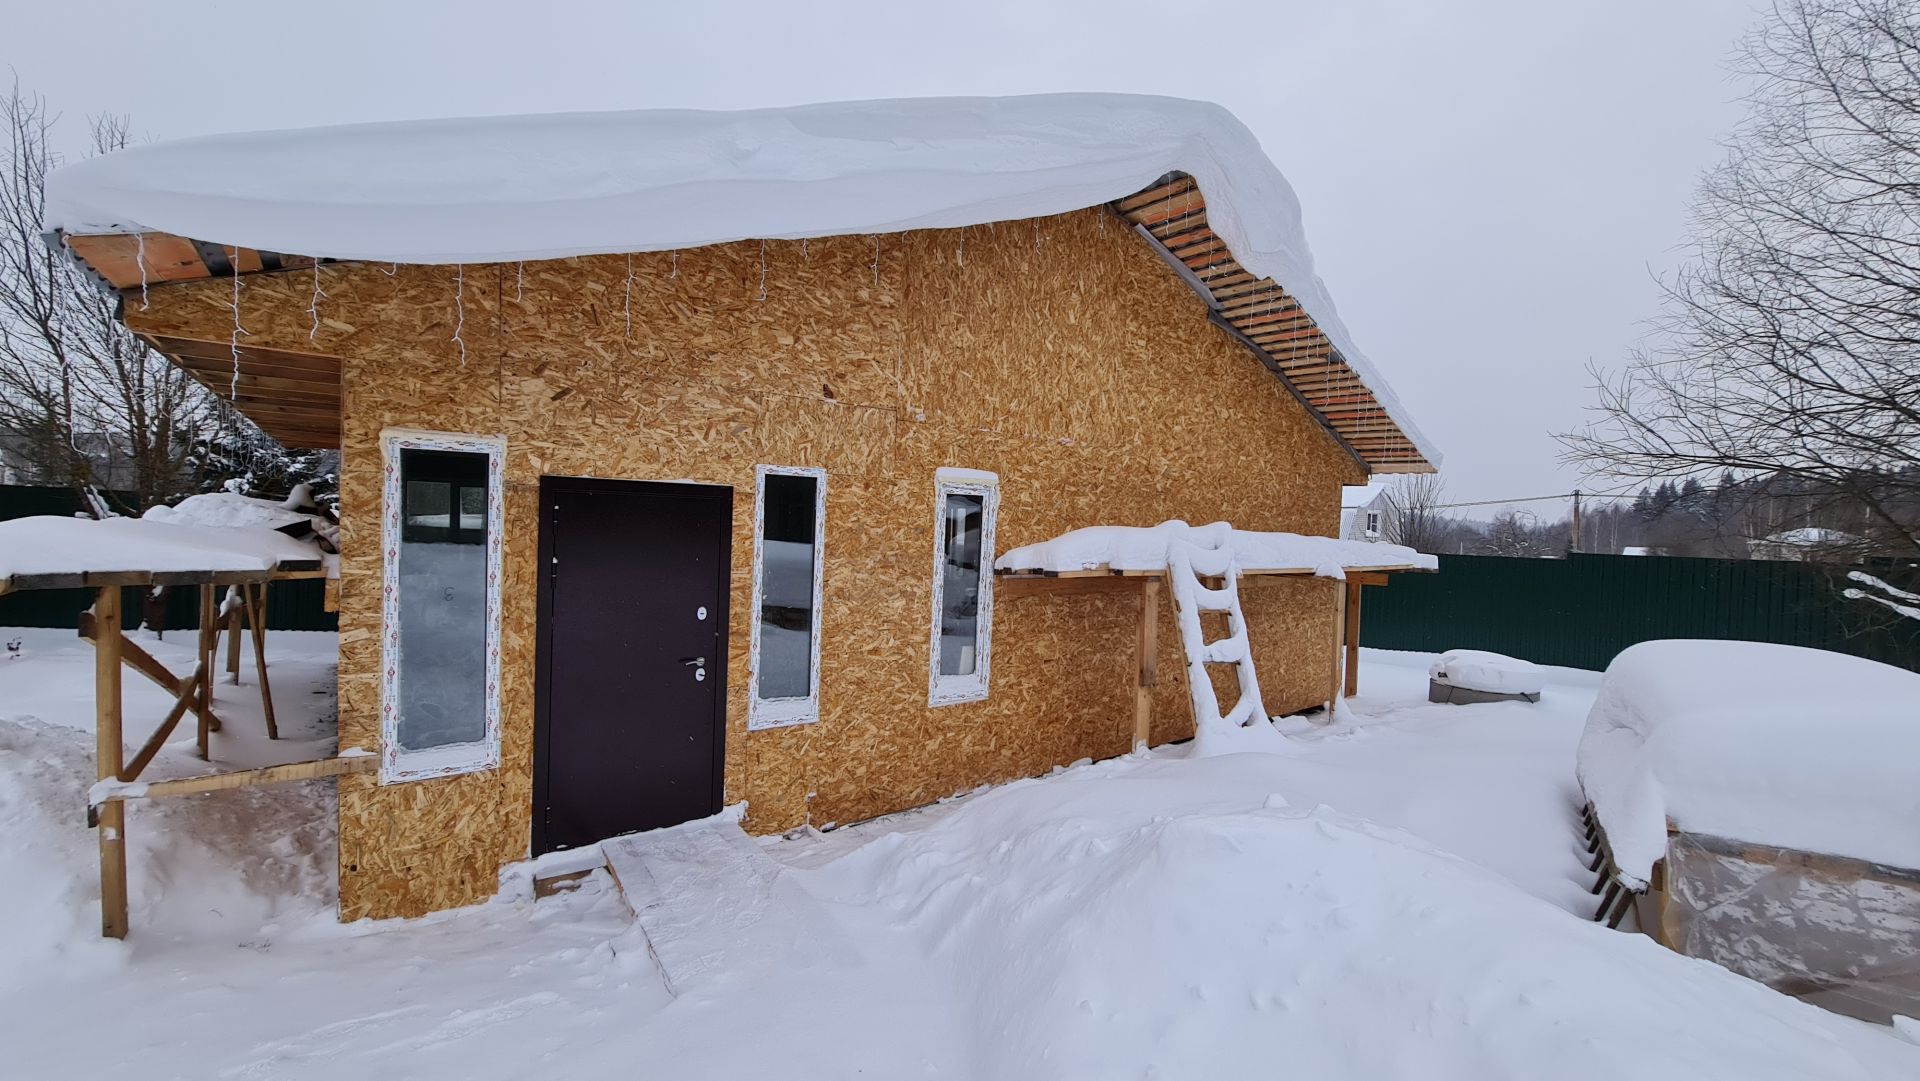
(232, 868)
(1092, 932)
(1752, 741)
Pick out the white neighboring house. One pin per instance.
(1363, 511)
(1807, 544)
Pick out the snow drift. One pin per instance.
(489, 189)
(1751, 741)
(1144, 548)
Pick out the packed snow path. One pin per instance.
(1153, 916)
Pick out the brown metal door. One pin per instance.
(630, 678)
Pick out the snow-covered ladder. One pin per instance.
(1186, 564)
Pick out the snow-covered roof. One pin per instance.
(1355, 496)
(539, 187)
(1811, 537)
(1144, 548)
(49, 545)
(1755, 742)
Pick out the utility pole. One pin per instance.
(1573, 540)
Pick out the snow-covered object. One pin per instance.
(1144, 548)
(1246, 725)
(1495, 673)
(488, 189)
(48, 544)
(229, 510)
(1751, 741)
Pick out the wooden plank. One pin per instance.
(1353, 637)
(1017, 587)
(256, 598)
(188, 698)
(205, 722)
(1146, 652)
(112, 821)
(248, 778)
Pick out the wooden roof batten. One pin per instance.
(1171, 214)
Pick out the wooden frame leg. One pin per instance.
(1147, 658)
(257, 621)
(205, 654)
(233, 640)
(1353, 639)
(108, 759)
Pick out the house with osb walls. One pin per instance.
(692, 459)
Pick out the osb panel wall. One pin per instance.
(1060, 353)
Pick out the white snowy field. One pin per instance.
(1397, 896)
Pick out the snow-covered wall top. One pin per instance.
(47, 544)
(1755, 742)
(543, 187)
(1144, 548)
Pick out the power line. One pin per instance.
(1528, 499)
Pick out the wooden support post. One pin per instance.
(1147, 661)
(108, 753)
(257, 619)
(204, 655)
(233, 640)
(1353, 638)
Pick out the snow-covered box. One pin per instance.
(1764, 802)
(1466, 676)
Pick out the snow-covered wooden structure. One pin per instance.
(1758, 805)
(701, 432)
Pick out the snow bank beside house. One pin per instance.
(1145, 548)
(1751, 741)
(490, 189)
(1155, 922)
(48, 544)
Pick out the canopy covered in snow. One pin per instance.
(1751, 741)
(540, 187)
(49, 546)
(1144, 548)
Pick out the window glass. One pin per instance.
(960, 583)
(789, 519)
(442, 594)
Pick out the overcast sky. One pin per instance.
(1488, 186)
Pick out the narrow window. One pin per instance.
(966, 502)
(789, 511)
(440, 676)
(1373, 523)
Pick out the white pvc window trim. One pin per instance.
(952, 690)
(398, 764)
(765, 713)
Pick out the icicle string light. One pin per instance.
(876, 258)
(629, 295)
(763, 271)
(675, 263)
(803, 250)
(519, 281)
(140, 256)
(460, 309)
(233, 340)
(960, 251)
(313, 303)
(391, 270)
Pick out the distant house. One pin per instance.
(1363, 511)
(1807, 544)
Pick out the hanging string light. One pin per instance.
(803, 250)
(519, 281)
(876, 258)
(629, 294)
(313, 303)
(233, 339)
(763, 271)
(460, 309)
(675, 263)
(140, 256)
(391, 270)
(960, 251)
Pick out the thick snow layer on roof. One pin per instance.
(1143, 548)
(1751, 741)
(48, 544)
(488, 189)
(1353, 496)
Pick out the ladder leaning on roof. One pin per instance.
(1186, 564)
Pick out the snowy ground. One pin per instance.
(1149, 917)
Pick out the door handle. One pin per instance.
(695, 662)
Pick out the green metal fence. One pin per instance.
(291, 606)
(1583, 610)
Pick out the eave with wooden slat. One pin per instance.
(295, 397)
(1271, 323)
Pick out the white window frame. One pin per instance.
(952, 690)
(1372, 523)
(396, 763)
(763, 713)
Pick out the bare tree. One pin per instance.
(1790, 347)
(1519, 534)
(72, 377)
(1413, 517)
